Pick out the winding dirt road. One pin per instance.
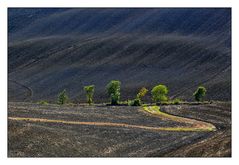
(194, 125)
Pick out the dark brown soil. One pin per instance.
(37, 139)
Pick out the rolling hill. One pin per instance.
(53, 49)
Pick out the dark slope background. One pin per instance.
(54, 49)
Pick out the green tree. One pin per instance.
(113, 89)
(159, 93)
(62, 97)
(142, 92)
(200, 93)
(89, 93)
(138, 100)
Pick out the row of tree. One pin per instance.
(159, 94)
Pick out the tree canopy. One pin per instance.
(159, 93)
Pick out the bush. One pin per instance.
(43, 102)
(136, 102)
(62, 97)
(159, 93)
(164, 103)
(177, 101)
(113, 89)
(200, 93)
(89, 93)
(126, 102)
(130, 102)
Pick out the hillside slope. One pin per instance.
(69, 48)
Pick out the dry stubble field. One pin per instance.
(116, 131)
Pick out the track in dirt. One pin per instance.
(195, 125)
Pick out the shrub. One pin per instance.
(89, 93)
(159, 93)
(177, 101)
(113, 89)
(130, 102)
(62, 97)
(43, 102)
(200, 93)
(136, 102)
(124, 102)
(164, 103)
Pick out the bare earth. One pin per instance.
(123, 131)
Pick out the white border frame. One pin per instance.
(4, 4)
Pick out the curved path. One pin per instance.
(194, 125)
